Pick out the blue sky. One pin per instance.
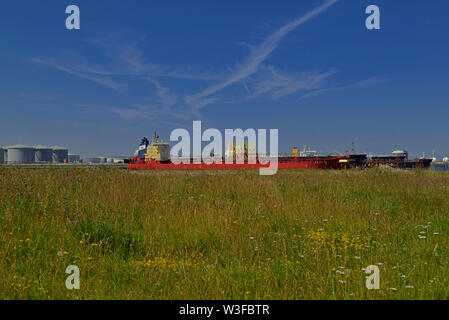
(309, 68)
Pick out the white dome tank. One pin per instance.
(60, 155)
(3, 157)
(74, 158)
(446, 159)
(43, 154)
(91, 160)
(21, 154)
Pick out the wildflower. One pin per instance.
(409, 287)
(66, 253)
(393, 289)
(421, 237)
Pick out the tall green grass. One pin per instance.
(223, 235)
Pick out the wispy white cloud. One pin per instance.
(128, 59)
(149, 112)
(125, 60)
(258, 55)
(165, 98)
(358, 84)
(102, 80)
(278, 84)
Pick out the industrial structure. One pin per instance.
(21, 154)
(74, 158)
(43, 154)
(60, 155)
(92, 160)
(24, 154)
(3, 155)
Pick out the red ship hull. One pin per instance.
(335, 163)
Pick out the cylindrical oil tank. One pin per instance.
(21, 154)
(2, 155)
(60, 155)
(74, 158)
(91, 160)
(43, 154)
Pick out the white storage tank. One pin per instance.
(2, 155)
(91, 160)
(74, 158)
(446, 159)
(43, 154)
(60, 155)
(21, 154)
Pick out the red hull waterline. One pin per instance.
(335, 163)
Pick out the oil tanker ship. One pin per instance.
(156, 156)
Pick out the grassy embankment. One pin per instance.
(223, 235)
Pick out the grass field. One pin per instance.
(223, 235)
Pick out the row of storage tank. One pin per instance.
(21, 154)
